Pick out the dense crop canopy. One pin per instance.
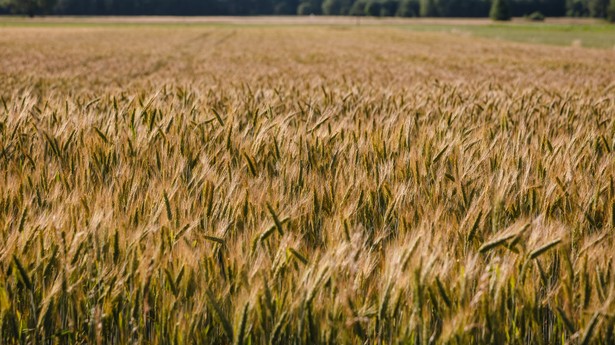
(303, 185)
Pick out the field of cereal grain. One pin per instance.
(293, 184)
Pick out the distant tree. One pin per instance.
(428, 8)
(304, 9)
(549, 8)
(281, 7)
(402, 8)
(536, 17)
(388, 8)
(358, 8)
(611, 11)
(331, 7)
(450, 8)
(408, 8)
(466, 8)
(346, 7)
(336, 7)
(308, 7)
(598, 8)
(500, 10)
(576, 8)
(372, 8)
(29, 7)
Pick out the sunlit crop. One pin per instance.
(303, 184)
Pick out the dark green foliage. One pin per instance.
(358, 8)
(462, 8)
(550, 8)
(282, 8)
(388, 8)
(331, 7)
(500, 10)
(372, 8)
(611, 12)
(576, 8)
(408, 8)
(598, 8)
(428, 8)
(308, 7)
(402, 8)
(336, 7)
(536, 17)
(29, 7)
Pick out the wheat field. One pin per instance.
(303, 184)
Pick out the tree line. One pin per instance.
(401, 8)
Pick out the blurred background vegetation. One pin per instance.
(403, 8)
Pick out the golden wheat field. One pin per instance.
(303, 184)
